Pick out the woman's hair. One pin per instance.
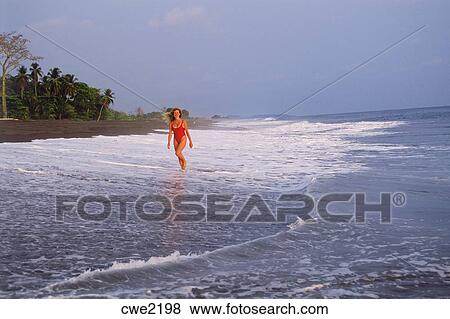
(169, 115)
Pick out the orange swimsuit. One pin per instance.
(179, 132)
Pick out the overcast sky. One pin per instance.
(247, 57)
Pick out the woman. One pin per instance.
(179, 127)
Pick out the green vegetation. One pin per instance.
(55, 96)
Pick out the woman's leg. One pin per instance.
(178, 152)
(175, 144)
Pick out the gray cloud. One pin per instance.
(178, 16)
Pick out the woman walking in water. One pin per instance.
(180, 130)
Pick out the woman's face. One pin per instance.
(176, 114)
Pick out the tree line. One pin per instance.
(32, 95)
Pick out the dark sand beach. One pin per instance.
(26, 131)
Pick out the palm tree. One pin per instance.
(69, 86)
(35, 74)
(56, 89)
(45, 85)
(22, 79)
(54, 81)
(106, 99)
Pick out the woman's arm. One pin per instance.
(191, 145)
(170, 135)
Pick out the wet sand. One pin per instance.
(26, 131)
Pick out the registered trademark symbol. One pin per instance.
(398, 199)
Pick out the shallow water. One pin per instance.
(392, 151)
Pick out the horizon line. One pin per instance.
(353, 112)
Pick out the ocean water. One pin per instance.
(391, 151)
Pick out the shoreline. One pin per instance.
(27, 131)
